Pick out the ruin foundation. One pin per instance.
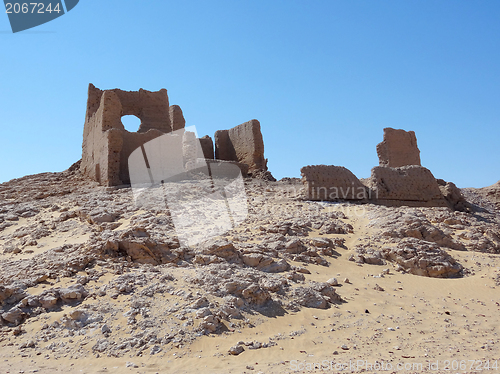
(328, 182)
(407, 185)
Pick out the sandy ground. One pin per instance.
(388, 323)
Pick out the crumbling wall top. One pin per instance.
(151, 107)
(399, 148)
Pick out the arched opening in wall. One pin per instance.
(131, 123)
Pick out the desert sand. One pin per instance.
(96, 284)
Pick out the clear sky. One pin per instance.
(323, 78)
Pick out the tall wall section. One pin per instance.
(106, 144)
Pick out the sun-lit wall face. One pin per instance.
(107, 144)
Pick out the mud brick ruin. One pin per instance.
(410, 185)
(399, 148)
(243, 144)
(107, 145)
(399, 180)
(329, 182)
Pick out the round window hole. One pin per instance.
(131, 123)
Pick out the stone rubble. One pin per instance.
(123, 262)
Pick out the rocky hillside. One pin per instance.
(85, 271)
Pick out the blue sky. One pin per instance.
(323, 78)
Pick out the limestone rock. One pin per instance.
(77, 314)
(74, 292)
(399, 148)
(420, 258)
(309, 298)
(28, 344)
(264, 175)
(12, 294)
(236, 350)
(333, 282)
(453, 196)
(105, 329)
(221, 248)
(294, 246)
(101, 215)
(14, 316)
(48, 300)
(491, 193)
(327, 291)
(252, 259)
(274, 266)
(254, 294)
(321, 242)
(369, 256)
(139, 250)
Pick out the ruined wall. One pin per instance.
(106, 144)
(177, 117)
(328, 182)
(407, 185)
(207, 145)
(244, 144)
(399, 148)
(224, 149)
(411, 185)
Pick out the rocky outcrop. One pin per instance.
(453, 196)
(399, 148)
(317, 295)
(415, 257)
(328, 182)
(409, 185)
(491, 193)
(130, 262)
